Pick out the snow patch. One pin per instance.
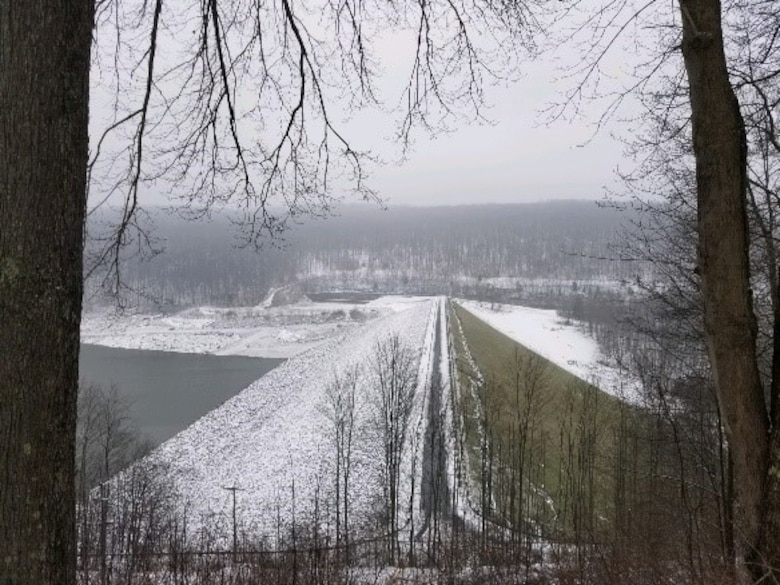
(561, 341)
(275, 332)
(286, 295)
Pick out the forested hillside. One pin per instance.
(521, 251)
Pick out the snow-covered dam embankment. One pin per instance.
(276, 442)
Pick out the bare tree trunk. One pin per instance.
(44, 85)
(730, 326)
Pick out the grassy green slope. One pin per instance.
(549, 448)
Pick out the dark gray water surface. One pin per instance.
(352, 298)
(167, 391)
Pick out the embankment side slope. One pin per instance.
(274, 441)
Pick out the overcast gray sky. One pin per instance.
(516, 157)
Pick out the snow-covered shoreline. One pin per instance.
(271, 332)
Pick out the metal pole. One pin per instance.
(103, 519)
(233, 490)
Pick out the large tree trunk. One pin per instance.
(730, 327)
(44, 91)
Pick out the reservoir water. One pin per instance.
(167, 391)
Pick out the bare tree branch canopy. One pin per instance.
(246, 105)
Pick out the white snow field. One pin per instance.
(272, 332)
(274, 440)
(564, 343)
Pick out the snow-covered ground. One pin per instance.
(566, 344)
(274, 440)
(272, 332)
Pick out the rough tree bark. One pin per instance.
(44, 84)
(730, 326)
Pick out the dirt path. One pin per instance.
(434, 490)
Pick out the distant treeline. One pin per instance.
(437, 250)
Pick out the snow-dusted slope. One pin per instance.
(565, 344)
(276, 435)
